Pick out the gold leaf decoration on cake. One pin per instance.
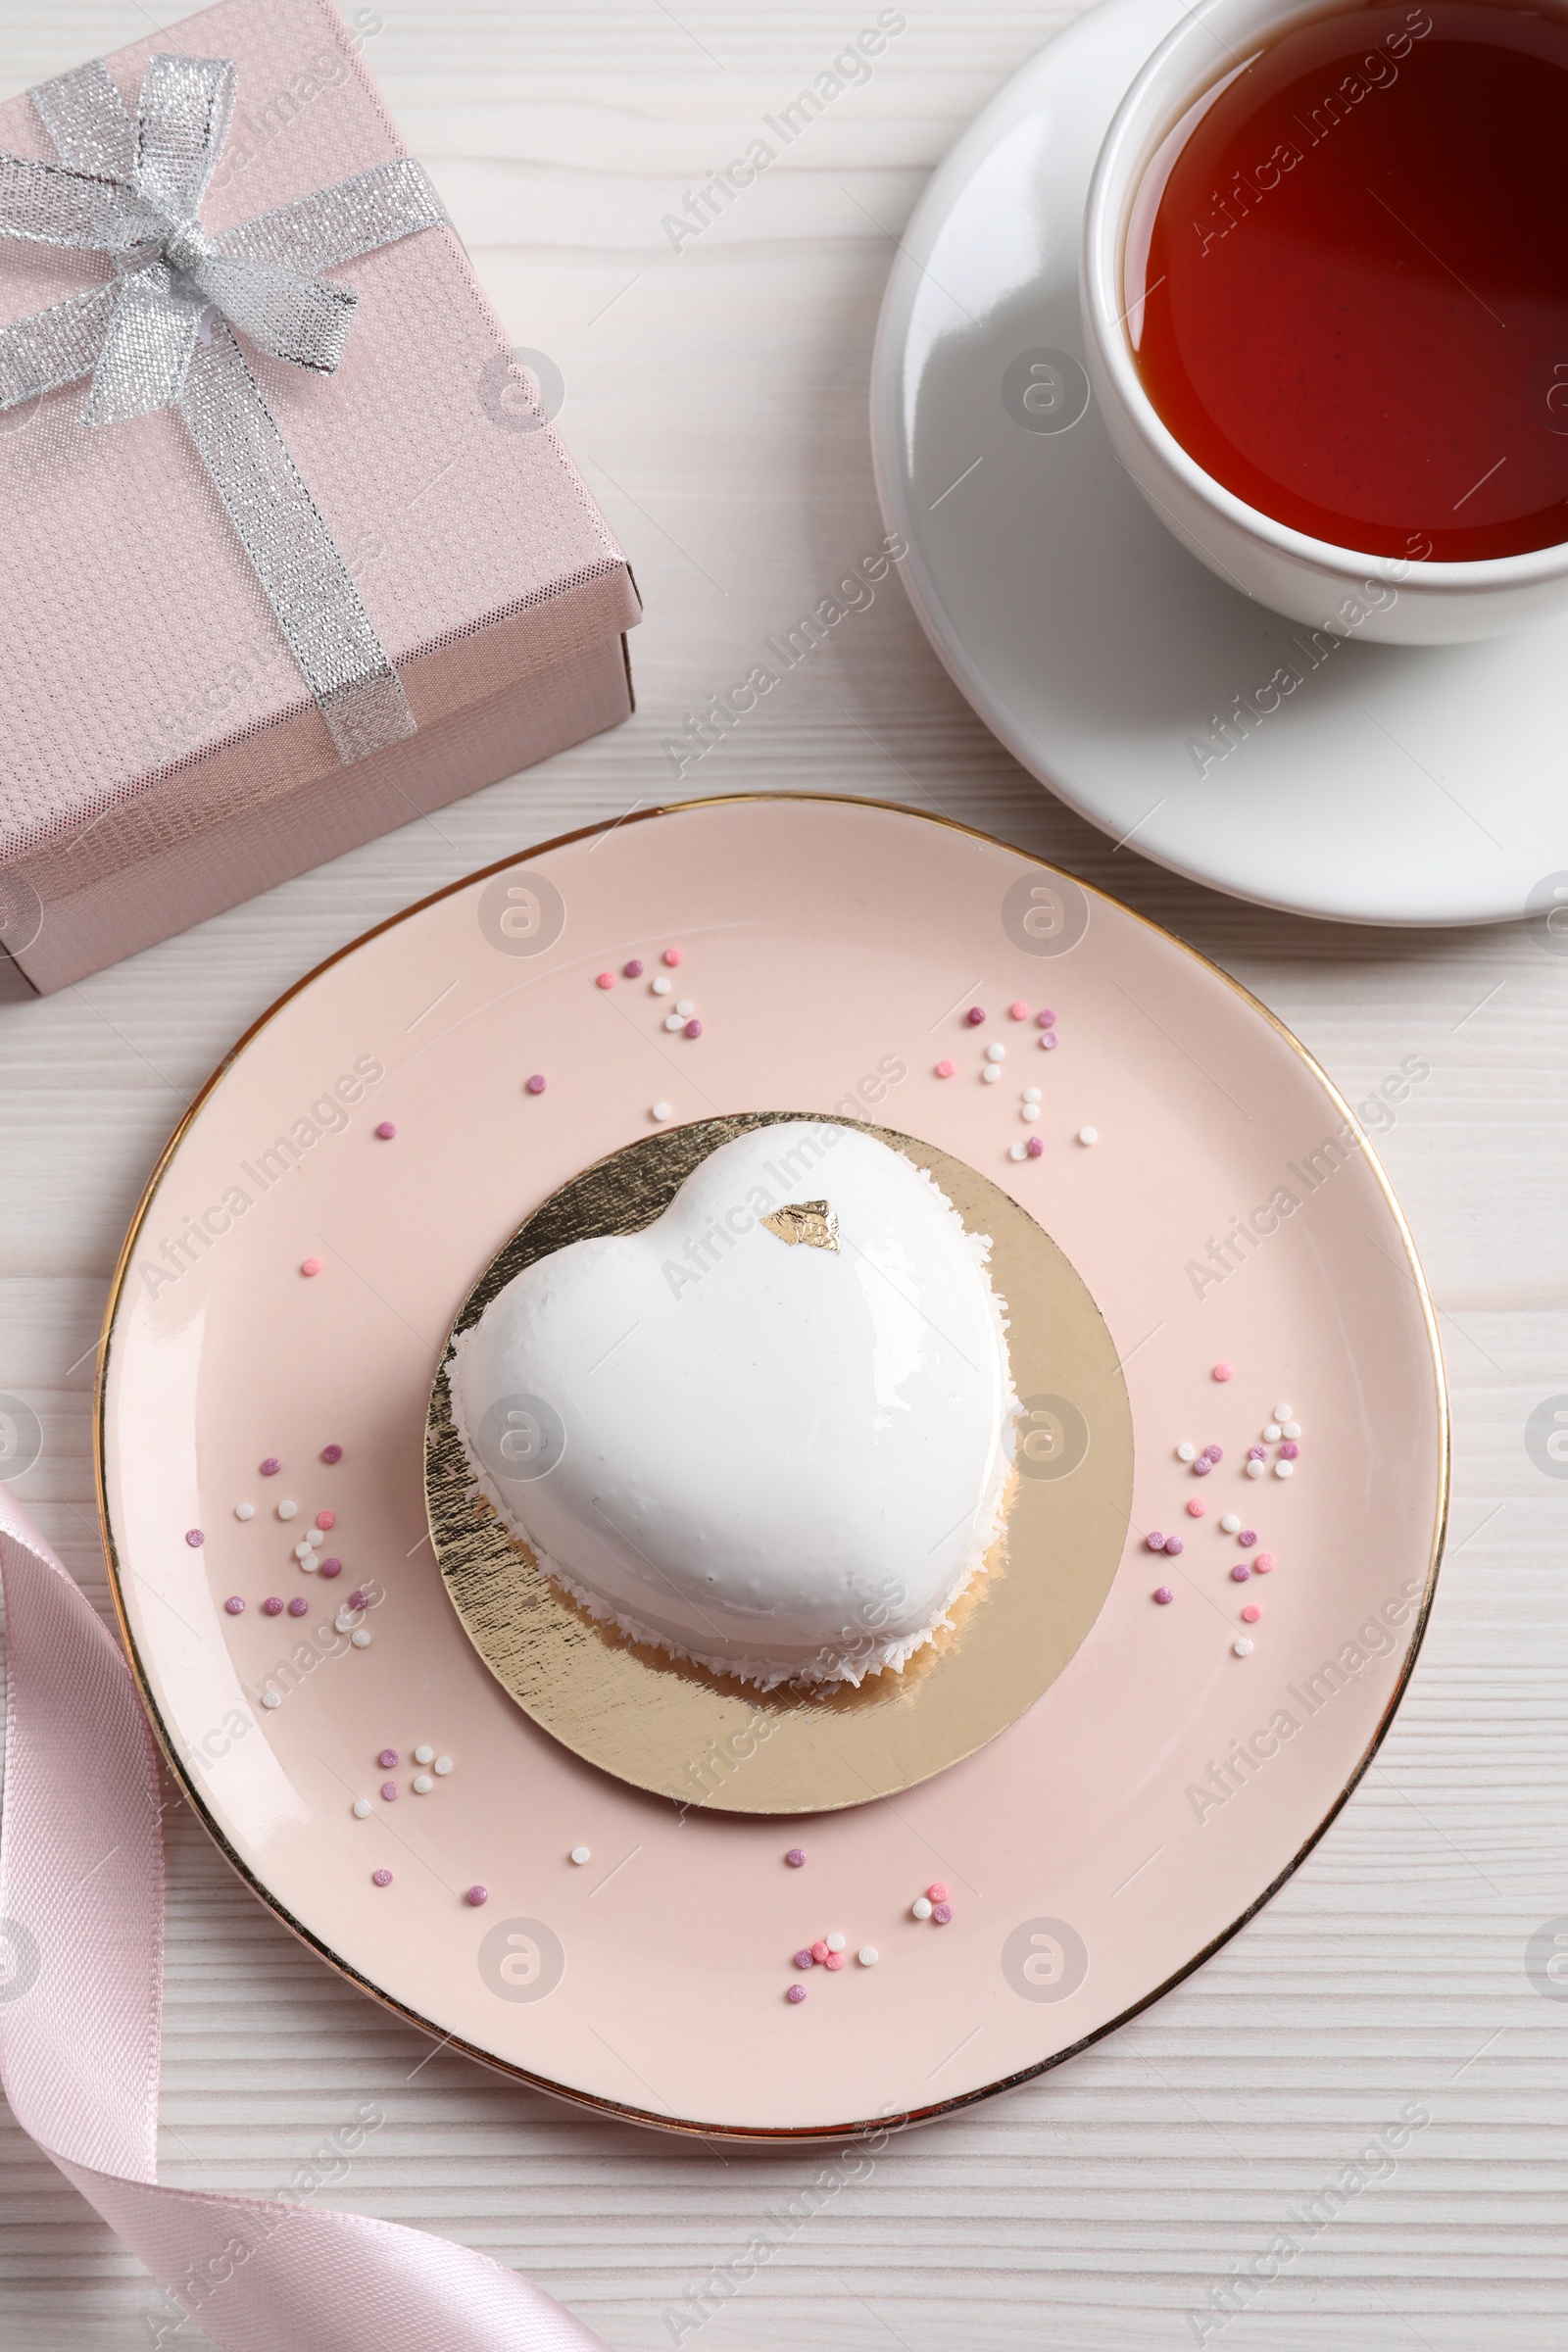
(809, 1221)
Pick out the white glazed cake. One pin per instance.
(770, 1433)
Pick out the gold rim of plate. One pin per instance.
(706, 1739)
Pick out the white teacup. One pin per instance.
(1378, 597)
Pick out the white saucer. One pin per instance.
(1394, 785)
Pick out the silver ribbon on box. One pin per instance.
(160, 333)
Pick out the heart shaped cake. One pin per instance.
(770, 1433)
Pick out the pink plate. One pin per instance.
(1229, 1213)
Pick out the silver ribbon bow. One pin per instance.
(160, 332)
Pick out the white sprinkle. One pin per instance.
(302, 1551)
(1019, 1151)
(1272, 1433)
(997, 1052)
(244, 1510)
(1089, 1135)
(344, 1621)
(286, 1510)
(316, 1536)
(1230, 1523)
(1291, 1428)
(991, 1073)
(1187, 1452)
(271, 1698)
(1284, 1469)
(1031, 1094)
(361, 1808)
(685, 1007)
(1282, 1412)
(920, 1909)
(581, 1854)
(659, 987)
(1255, 1469)
(868, 1955)
(1029, 1112)
(1243, 1647)
(835, 1943)
(361, 1639)
(425, 1755)
(422, 1784)
(660, 1110)
(443, 1765)
(673, 1021)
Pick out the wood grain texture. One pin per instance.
(717, 401)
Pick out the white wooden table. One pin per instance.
(716, 399)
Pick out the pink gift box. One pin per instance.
(161, 756)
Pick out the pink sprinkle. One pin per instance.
(1252, 1613)
(819, 1953)
(1289, 1449)
(1257, 1453)
(194, 1538)
(942, 1914)
(1202, 1466)
(1032, 1148)
(1197, 1508)
(1018, 1011)
(1263, 1562)
(944, 1069)
(804, 1959)
(1164, 1595)
(310, 1265)
(694, 1028)
(1044, 1018)
(1154, 1540)
(272, 1466)
(271, 1606)
(634, 970)
(386, 1131)
(381, 1878)
(235, 1605)
(387, 1760)
(298, 1606)
(796, 1995)
(975, 1016)
(795, 1856)
(357, 1600)
(605, 980)
(389, 1791)
(331, 1453)
(672, 957)
(477, 1895)
(1224, 1371)
(1239, 1573)
(936, 1891)
(1248, 1538)
(325, 1519)
(1050, 1042)
(834, 1960)
(537, 1084)
(331, 1568)
(1174, 1544)
(1214, 1453)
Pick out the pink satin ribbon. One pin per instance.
(81, 1922)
